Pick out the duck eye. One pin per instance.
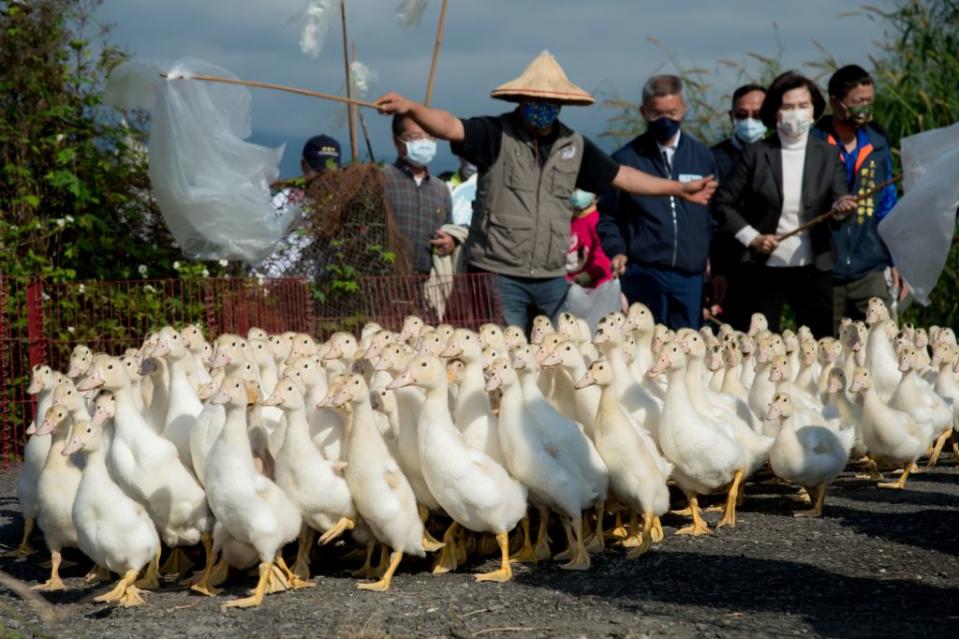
(110, 367)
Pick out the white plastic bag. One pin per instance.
(592, 304)
(919, 229)
(212, 186)
(463, 195)
(319, 16)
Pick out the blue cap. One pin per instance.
(319, 149)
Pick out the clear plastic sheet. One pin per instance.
(411, 12)
(591, 304)
(919, 229)
(319, 16)
(212, 187)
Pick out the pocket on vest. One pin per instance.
(509, 239)
(563, 181)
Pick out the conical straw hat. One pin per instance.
(544, 79)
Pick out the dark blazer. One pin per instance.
(753, 193)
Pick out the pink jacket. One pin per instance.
(585, 251)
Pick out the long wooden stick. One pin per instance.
(275, 87)
(436, 53)
(830, 213)
(351, 114)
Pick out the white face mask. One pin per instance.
(795, 123)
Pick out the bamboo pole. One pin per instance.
(275, 87)
(830, 213)
(436, 53)
(354, 147)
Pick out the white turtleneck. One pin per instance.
(796, 250)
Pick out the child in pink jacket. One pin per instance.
(586, 263)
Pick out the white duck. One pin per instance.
(880, 358)
(250, 508)
(315, 485)
(381, 493)
(807, 454)
(473, 489)
(808, 377)
(472, 412)
(148, 468)
(829, 351)
(635, 398)
(729, 412)
(762, 390)
(637, 471)
(195, 342)
(944, 358)
(56, 491)
(914, 396)
(706, 458)
(890, 434)
(409, 401)
(43, 380)
(846, 412)
(563, 397)
(554, 460)
(732, 381)
(184, 405)
(112, 529)
(570, 358)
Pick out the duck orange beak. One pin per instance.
(493, 383)
(72, 446)
(774, 412)
(660, 367)
(586, 381)
(273, 400)
(161, 349)
(36, 385)
(550, 360)
(91, 382)
(404, 380)
(452, 349)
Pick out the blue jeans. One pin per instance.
(523, 298)
(675, 299)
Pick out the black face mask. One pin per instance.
(663, 129)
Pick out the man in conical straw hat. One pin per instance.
(529, 164)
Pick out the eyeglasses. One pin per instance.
(745, 114)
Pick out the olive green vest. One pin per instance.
(522, 214)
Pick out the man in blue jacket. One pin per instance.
(659, 246)
(861, 257)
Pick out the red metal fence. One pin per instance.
(42, 322)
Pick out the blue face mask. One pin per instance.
(749, 130)
(580, 199)
(420, 152)
(539, 115)
(663, 129)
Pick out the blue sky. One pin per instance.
(603, 45)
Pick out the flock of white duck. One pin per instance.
(247, 444)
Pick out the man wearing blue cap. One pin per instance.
(320, 153)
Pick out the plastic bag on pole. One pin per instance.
(212, 187)
(919, 229)
(591, 304)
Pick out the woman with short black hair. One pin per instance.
(779, 184)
